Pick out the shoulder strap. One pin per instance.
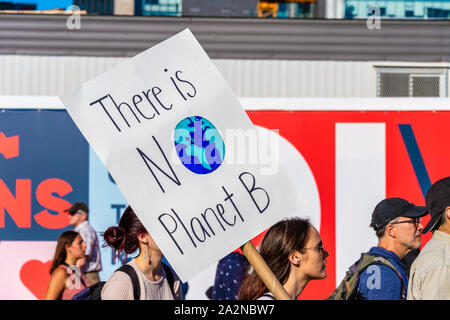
(129, 270)
(169, 275)
(371, 259)
(76, 275)
(84, 283)
(387, 263)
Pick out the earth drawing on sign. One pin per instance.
(199, 145)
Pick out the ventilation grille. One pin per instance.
(404, 82)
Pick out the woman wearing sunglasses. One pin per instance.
(293, 250)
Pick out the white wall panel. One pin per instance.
(287, 78)
(47, 75)
(359, 146)
(55, 75)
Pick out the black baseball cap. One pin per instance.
(391, 208)
(76, 207)
(437, 199)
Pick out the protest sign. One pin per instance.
(166, 125)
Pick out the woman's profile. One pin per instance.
(294, 252)
(154, 281)
(66, 278)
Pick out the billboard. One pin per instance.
(345, 155)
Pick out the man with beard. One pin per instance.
(397, 225)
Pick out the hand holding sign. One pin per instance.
(163, 123)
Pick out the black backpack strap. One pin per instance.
(129, 270)
(83, 283)
(170, 277)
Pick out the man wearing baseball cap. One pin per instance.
(397, 225)
(430, 272)
(91, 264)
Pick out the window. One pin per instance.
(161, 7)
(412, 82)
(398, 9)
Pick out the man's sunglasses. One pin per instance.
(72, 213)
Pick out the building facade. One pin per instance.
(257, 57)
(279, 9)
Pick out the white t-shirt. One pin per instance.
(267, 296)
(89, 236)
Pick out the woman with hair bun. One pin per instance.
(293, 250)
(129, 236)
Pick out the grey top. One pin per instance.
(120, 287)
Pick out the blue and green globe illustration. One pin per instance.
(199, 145)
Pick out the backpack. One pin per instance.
(94, 292)
(347, 289)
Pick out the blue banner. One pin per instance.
(44, 167)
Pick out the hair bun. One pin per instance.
(115, 237)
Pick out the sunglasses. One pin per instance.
(74, 212)
(320, 250)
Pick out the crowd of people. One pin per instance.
(292, 249)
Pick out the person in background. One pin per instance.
(397, 225)
(293, 250)
(91, 265)
(66, 279)
(156, 281)
(229, 275)
(430, 272)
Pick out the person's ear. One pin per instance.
(295, 258)
(143, 237)
(447, 213)
(391, 231)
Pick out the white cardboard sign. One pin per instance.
(161, 124)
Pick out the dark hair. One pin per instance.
(380, 232)
(279, 241)
(67, 237)
(124, 237)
